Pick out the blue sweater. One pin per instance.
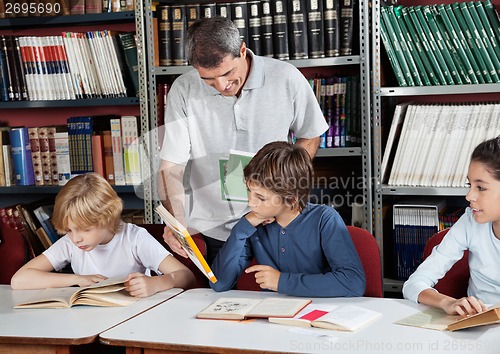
(314, 253)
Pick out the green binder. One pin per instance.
(489, 8)
(489, 27)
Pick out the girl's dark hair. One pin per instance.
(210, 40)
(284, 169)
(488, 153)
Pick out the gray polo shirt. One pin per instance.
(201, 126)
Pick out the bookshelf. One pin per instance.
(55, 112)
(150, 74)
(386, 94)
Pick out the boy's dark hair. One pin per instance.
(488, 153)
(283, 168)
(210, 40)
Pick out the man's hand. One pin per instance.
(266, 276)
(257, 220)
(465, 306)
(173, 243)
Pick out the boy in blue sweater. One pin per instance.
(301, 249)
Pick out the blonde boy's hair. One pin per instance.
(87, 200)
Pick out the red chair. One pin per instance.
(456, 280)
(368, 252)
(156, 230)
(13, 252)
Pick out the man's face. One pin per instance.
(230, 76)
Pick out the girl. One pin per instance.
(478, 231)
(99, 245)
(301, 249)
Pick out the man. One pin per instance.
(233, 100)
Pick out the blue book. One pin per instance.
(43, 213)
(21, 156)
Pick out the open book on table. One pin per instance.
(242, 308)
(328, 316)
(109, 292)
(434, 318)
(186, 241)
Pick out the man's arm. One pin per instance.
(311, 145)
(173, 197)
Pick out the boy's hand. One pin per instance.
(87, 280)
(266, 276)
(140, 285)
(173, 243)
(256, 220)
(465, 306)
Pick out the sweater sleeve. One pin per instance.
(233, 257)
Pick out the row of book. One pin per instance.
(445, 44)
(430, 145)
(283, 29)
(45, 156)
(74, 65)
(38, 8)
(338, 97)
(414, 222)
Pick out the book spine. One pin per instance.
(297, 29)
(164, 33)
(51, 131)
(192, 13)
(332, 28)
(179, 24)
(109, 169)
(21, 157)
(117, 144)
(280, 29)
(129, 47)
(8, 69)
(61, 143)
(224, 10)
(254, 27)
(347, 26)
(208, 10)
(267, 28)
(130, 141)
(488, 28)
(43, 139)
(493, 17)
(239, 16)
(4, 79)
(315, 29)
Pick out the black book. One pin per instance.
(347, 26)
(297, 29)
(164, 34)
(267, 46)
(179, 27)
(8, 68)
(223, 10)
(4, 80)
(239, 15)
(315, 26)
(208, 10)
(280, 29)
(254, 27)
(331, 14)
(192, 13)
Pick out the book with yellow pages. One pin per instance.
(434, 318)
(186, 241)
(108, 293)
(229, 308)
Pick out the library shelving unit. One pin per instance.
(55, 112)
(150, 74)
(386, 94)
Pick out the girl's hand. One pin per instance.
(140, 285)
(87, 280)
(255, 220)
(465, 306)
(266, 276)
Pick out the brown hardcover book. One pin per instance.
(44, 238)
(36, 156)
(98, 154)
(51, 134)
(109, 169)
(163, 13)
(77, 7)
(179, 26)
(43, 139)
(93, 6)
(2, 8)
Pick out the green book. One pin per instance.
(489, 44)
(391, 54)
(398, 23)
(478, 42)
(443, 17)
(395, 41)
(428, 57)
(489, 27)
(492, 14)
(464, 43)
(462, 71)
(417, 10)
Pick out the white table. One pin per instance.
(172, 327)
(50, 330)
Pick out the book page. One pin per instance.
(229, 308)
(49, 298)
(432, 318)
(348, 317)
(278, 307)
(304, 317)
(116, 298)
